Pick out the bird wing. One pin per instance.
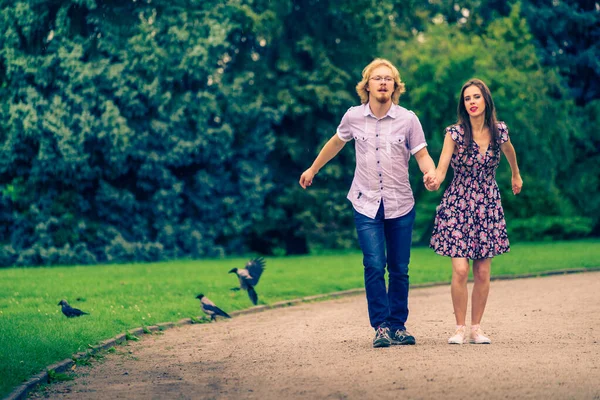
(74, 312)
(255, 269)
(214, 309)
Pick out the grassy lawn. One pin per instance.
(35, 334)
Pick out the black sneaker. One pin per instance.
(382, 337)
(402, 337)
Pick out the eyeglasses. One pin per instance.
(386, 79)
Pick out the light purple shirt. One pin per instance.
(383, 148)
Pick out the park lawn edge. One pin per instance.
(21, 391)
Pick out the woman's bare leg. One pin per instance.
(458, 289)
(481, 288)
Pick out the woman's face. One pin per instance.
(474, 101)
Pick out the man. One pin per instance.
(385, 136)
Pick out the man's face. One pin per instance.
(381, 84)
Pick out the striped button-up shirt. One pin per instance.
(383, 148)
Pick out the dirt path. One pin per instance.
(545, 344)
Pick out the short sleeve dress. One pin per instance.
(469, 221)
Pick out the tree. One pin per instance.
(125, 137)
(568, 33)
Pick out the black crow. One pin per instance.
(210, 309)
(249, 277)
(69, 311)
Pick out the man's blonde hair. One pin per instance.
(361, 87)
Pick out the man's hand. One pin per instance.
(306, 178)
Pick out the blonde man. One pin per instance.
(385, 136)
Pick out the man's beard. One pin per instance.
(382, 97)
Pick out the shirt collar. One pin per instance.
(392, 112)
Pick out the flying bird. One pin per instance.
(210, 308)
(249, 277)
(69, 311)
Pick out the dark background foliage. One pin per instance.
(147, 130)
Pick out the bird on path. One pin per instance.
(210, 308)
(249, 277)
(69, 311)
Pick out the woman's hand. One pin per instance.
(517, 184)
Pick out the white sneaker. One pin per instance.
(459, 336)
(477, 336)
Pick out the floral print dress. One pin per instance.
(469, 221)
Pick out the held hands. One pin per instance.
(517, 184)
(307, 177)
(431, 181)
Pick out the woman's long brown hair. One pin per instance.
(490, 113)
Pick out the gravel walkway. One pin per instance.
(545, 345)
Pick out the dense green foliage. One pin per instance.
(34, 333)
(123, 140)
(568, 34)
(147, 130)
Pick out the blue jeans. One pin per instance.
(374, 236)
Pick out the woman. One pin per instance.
(469, 223)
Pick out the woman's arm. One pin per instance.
(445, 157)
(511, 157)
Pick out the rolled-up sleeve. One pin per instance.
(416, 136)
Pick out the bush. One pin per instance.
(541, 228)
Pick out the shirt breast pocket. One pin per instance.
(362, 144)
(398, 146)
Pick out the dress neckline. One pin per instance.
(479, 148)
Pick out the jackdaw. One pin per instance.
(69, 311)
(210, 308)
(249, 277)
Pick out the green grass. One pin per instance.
(34, 333)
